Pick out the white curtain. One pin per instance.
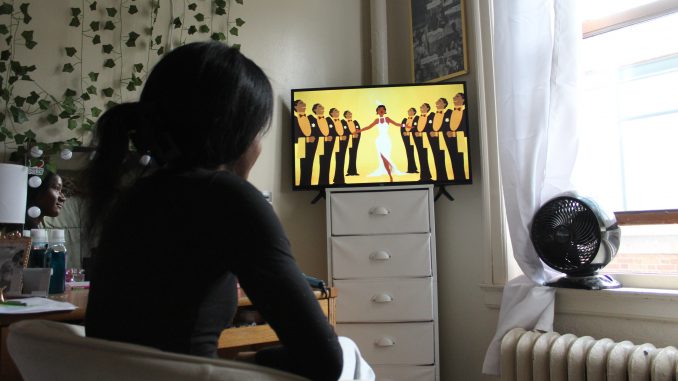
(535, 48)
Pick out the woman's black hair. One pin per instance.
(378, 107)
(202, 106)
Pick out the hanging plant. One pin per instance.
(109, 62)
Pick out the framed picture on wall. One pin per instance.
(438, 39)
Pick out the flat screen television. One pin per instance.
(380, 135)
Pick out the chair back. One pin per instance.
(48, 350)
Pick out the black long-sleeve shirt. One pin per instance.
(166, 265)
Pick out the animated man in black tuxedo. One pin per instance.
(354, 129)
(458, 129)
(420, 128)
(326, 142)
(439, 122)
(406, 134)
(304, 129)
(342, 134)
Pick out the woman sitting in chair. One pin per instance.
(178, 230)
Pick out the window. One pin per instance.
(628, 125)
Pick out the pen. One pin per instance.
(13, 303)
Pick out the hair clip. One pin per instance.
(145, 159)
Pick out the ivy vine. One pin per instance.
(126, 49)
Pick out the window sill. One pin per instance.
(625, 303)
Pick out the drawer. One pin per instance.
(364, 213)
(381, 256)
(405, 373)
(397, 343)
(384, 300)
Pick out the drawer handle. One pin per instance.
(385, 342)
(382, 298)
(380, 255)
(379, 211)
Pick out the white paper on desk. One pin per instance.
(36, 305)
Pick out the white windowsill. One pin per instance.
(625, 303)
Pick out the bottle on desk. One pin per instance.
(36, 258)
(55, 258)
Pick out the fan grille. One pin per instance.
(566, 234)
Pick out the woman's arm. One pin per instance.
(392, 122)
(270, 277)
(370, 126)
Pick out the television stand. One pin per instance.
(321, 194)
(443, 192)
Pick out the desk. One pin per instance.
(231, 341)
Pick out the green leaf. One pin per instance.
(192, 29)
(30, 135)
(30, 68)
(31, 44)
(75, 12)
(107, 48)
(24, 10)
(110, 104)
(132, 9)
(239, 2)
(5, 54)
(204, 29)
(132, 39)
(19, 101)
(108, 92)
(4, 29)
(131, 86)
(177, 23)
(4, 94)
(220, 11)
(158, 40)
(109, 63)
(137, 81)
(233, 31)
(51, 118)
(236, 46)
(93, 76)
(65, 114)
(92, 90)
(75, 22)
(2, 137)
(96, 39)
(68, 68)
(161, 51)
(19, 138)
(139, 67)
(70, 93)
(85, 96)
(70, 51)
(6, 9)
(96, 112)
(111, 12)
(3, 68)
(44, 104)
(192, 6)
(3, 128)
(94, 25)
(8, 40)
(18, 115)
(220, 3)
(72, 124)
(33, 98)
(200, 17)
(93, 6)
(239, 22)
(28, 36)
(218, 36)
(109, 25)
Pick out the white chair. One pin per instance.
(47, 350)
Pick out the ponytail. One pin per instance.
(110, 162)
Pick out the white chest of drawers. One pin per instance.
(381, 247)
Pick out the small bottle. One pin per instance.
(36, 258)
(56, 259)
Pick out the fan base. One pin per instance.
(590, 282)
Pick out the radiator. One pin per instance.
(550, 356)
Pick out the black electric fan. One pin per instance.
(573, 235)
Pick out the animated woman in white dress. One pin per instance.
(386, 165)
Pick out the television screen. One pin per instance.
(378, 135)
